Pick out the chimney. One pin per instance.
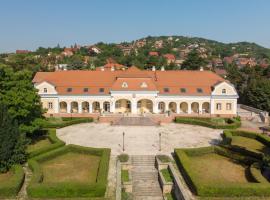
(201, 69)
(162, 68)
(102, 69)
(153, 68)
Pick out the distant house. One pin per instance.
(170, 58)
(153, 53)
(217, 62)
(126, 49)
(179, 62)
(68, 52)
(111, 65)
(158, 44)
(221, 72)
(228, 59)
(246, 62)
(183, 53)
(140, 43)
(94, 50)
(60, 67)
(22, 51)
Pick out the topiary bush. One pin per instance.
(63, 122)
(38, 189)
(216, 123)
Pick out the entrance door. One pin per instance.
(106, 106)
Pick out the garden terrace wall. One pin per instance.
(56, 143)
(231, 123)
(222, 189)
(228, 136)
(11, 187)
(37, 189)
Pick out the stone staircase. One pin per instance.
(145, 178)
(135, 121)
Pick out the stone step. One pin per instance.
(147, 198)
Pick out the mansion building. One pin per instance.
(136, 91)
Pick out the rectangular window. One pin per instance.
(118, 104)
(85, 89)
(166, 90)
(223, 91)
(183, 90)
(218, 106)
(101, 90)
(50, 105)
(228, 106)
(199, 90)
(69, 89)
(45, 90)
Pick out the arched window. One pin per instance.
(124, 85)
(144, 85)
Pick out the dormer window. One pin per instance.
(144, 85)
(124, 85)
(101, 90)
(69, 89)
(85, 89)
(166, 90)
(183, 90)
(224, 91)
(45, 90)
(199, 90)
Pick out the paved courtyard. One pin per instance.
(139, 140)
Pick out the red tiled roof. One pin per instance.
(169, 56)
(134, 77)
(153, 53)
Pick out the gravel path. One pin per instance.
(139, 140)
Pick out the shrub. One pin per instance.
(56, 143)
(215, 123)
(38, 189)
(11, 187)
(123, 157)
(124, 176)
(222, 189)
(54, 123)
(256, 174)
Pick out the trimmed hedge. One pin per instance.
(222, 189)
(65, 122)
(56, 143)
(37, 189)
(227, 137)
(11, 187)
(255, 172)
(231, 123)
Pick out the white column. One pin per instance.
(112, 106)
(177, 108)
(133, 106)
(68, 107)
(212, 107)
(155, 107)
(90, 107)
(200, 108)
(56, 107)
(189, 108)
(79, 107)
(166, 106)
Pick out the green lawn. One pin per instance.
(71, 166)
(215, 169)
(251, 144)
(38, 144)
(124, 176)
(166, 174)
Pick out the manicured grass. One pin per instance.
(213, 168)
(124, 176)
(63, 122)
(71, 166)
(39, 143)
(250, 143)
(166, 174)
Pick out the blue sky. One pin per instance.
(28, 24)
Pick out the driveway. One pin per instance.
(139, 140)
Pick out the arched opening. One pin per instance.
(172, 107)
(106, 106)
(184, 107)
(161, 107)
(206, 107)
(122, 106)
(96, 107)
(63, 107)
(85, 107)
(74, 107)
(195, 107)
(145, 106)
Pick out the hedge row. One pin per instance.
(231, 123)
(255, 172)
(228, 136)
(65, 122)
(222, 189)
(56, 143)
(37, 189)
(11, 187)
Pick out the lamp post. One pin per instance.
(159, 141)
(123, 141)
